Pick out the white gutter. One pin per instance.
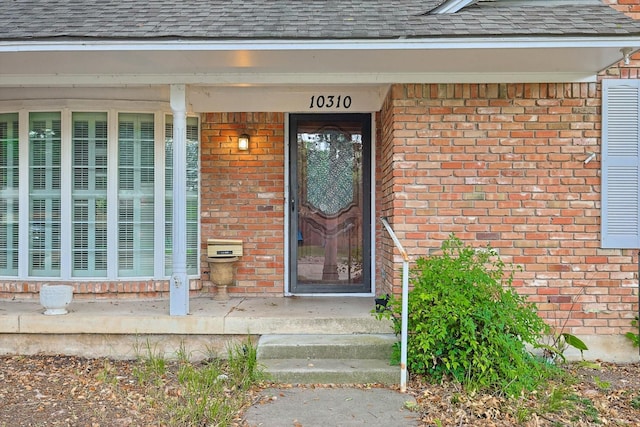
(293, 45)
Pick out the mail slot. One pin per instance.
(219, 248)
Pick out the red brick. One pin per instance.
(541, 201)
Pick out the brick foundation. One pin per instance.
(95, 289)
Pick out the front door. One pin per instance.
(330, 203)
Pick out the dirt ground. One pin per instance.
(69, 391)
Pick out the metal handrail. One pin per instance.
(405, 305)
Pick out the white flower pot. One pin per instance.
(56, 298)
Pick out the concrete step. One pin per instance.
(328, 359)
(318, 346)
(331, 371)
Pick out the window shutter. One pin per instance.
(620, 166)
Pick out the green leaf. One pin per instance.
(590, 365)
(574, 341)
(634, 338)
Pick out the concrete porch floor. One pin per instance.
(124, 328)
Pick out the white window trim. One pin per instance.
(158, 193)
(112, 194)
(23, 197)
(65, 195)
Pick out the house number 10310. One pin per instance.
(330, 101)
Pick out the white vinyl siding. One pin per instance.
(192, 195)
(86, 195)
(9, 203)
(620, 164)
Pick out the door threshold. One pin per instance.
(349, 295)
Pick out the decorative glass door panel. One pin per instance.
(330, 203)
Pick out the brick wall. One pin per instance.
(619, 70)
(629, 7)
(385, 182)
(243, 196)
(504, 164)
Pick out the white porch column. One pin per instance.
(179, 288)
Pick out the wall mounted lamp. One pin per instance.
(626, 54)
(243, 142)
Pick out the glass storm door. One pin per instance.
(330, 218)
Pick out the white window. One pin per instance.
(96, 201)
(620, 164)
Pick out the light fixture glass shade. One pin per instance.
(243, 142)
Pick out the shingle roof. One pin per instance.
(303, 19)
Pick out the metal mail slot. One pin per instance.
(218, 248)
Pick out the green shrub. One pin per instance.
(466, 322)
(633, 337)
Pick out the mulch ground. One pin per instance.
(599, 394)
(70, 391)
